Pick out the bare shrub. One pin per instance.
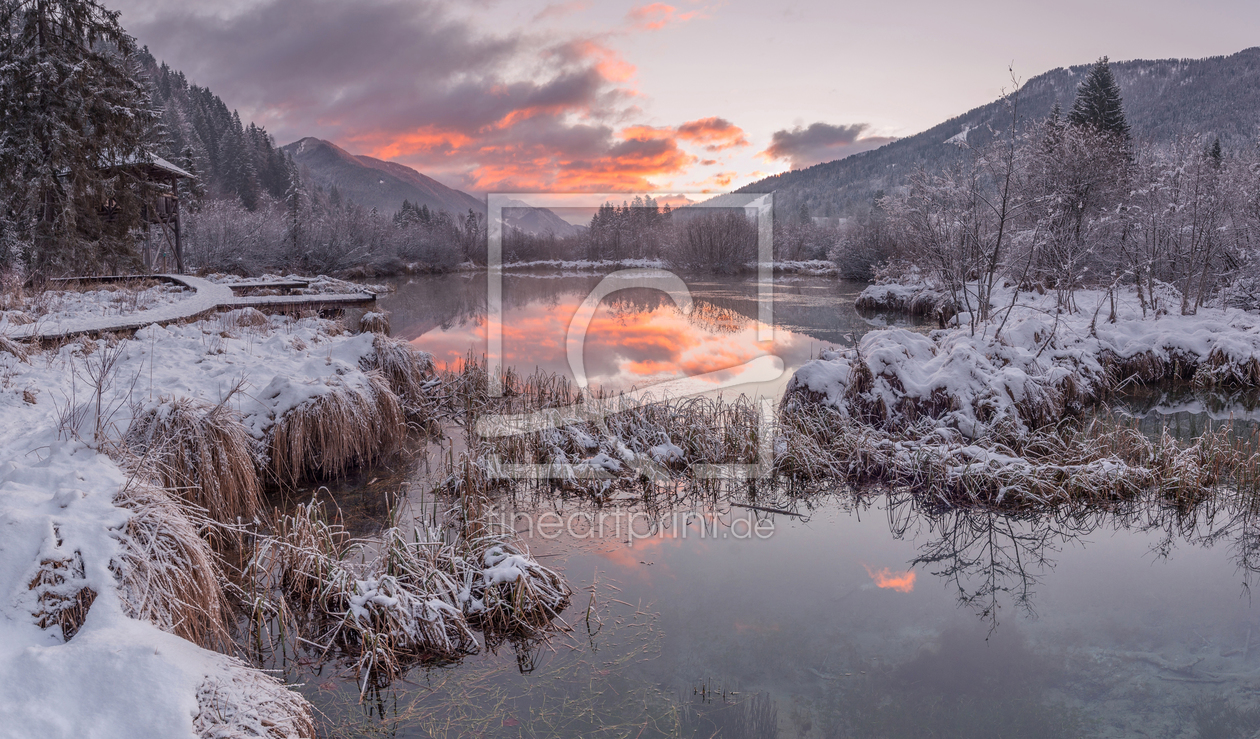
(715, 242)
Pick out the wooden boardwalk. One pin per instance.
(208, 298)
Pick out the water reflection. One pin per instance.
(638, 337)
(1188, 412)
(874, 615)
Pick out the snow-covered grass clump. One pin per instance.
(403, 597)
(993, 402)
(124, 464)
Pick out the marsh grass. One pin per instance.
(409, 373)
(12, 347)
(63, 598)
(243, 702)
(376, 322)
(201, 451)
(167, 573)
(400, 599)
(346, 425)
(597, 445)
(386, 610)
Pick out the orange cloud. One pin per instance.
(656, 16)
(608, 62)
(715, 133)
(902, 582)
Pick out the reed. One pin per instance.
(167, 572)
(347, 422)
(202, 452)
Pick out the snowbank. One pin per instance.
(67, 527)
(987, 400)
(1042, 366)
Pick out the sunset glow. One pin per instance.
(624, 346)
(902, 582)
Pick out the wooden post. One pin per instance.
(179, 245)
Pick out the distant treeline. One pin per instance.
(313, 230)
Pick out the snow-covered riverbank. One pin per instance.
(976, 401)
(114, 601)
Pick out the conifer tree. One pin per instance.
(71, 106)
(1098, 103)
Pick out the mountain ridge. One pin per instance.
(1217, 96)
(384, 185)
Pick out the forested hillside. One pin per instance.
(199, 133)
(1163, 100)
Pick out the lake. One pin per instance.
(869, 613)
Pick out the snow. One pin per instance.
(119, 677)
(1042, 359)
(54, 307)
(83, 314)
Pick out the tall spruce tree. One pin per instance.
(1098, 103)
(71, 107)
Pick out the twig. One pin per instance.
(768, 510)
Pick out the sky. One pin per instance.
(687, 96)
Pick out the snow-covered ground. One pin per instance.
(54, 307)
(119, 676)
(321, 285)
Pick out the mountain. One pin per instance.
(385, 185)
(1163, 99)
(373, 183)
(538, 221)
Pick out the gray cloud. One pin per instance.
(821, 142)
(402, 79)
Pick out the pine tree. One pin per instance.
(1214, 151)
(1098, 103)
(71, 105)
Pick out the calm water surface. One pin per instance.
(869, 615)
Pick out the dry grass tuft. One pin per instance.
(246, 317)
(244, 703)
(410, 374)
(16, 317)
(348, 424)
(376, 322)
(507, 592)
(167, 573)
(14, 348)
(202, 452)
